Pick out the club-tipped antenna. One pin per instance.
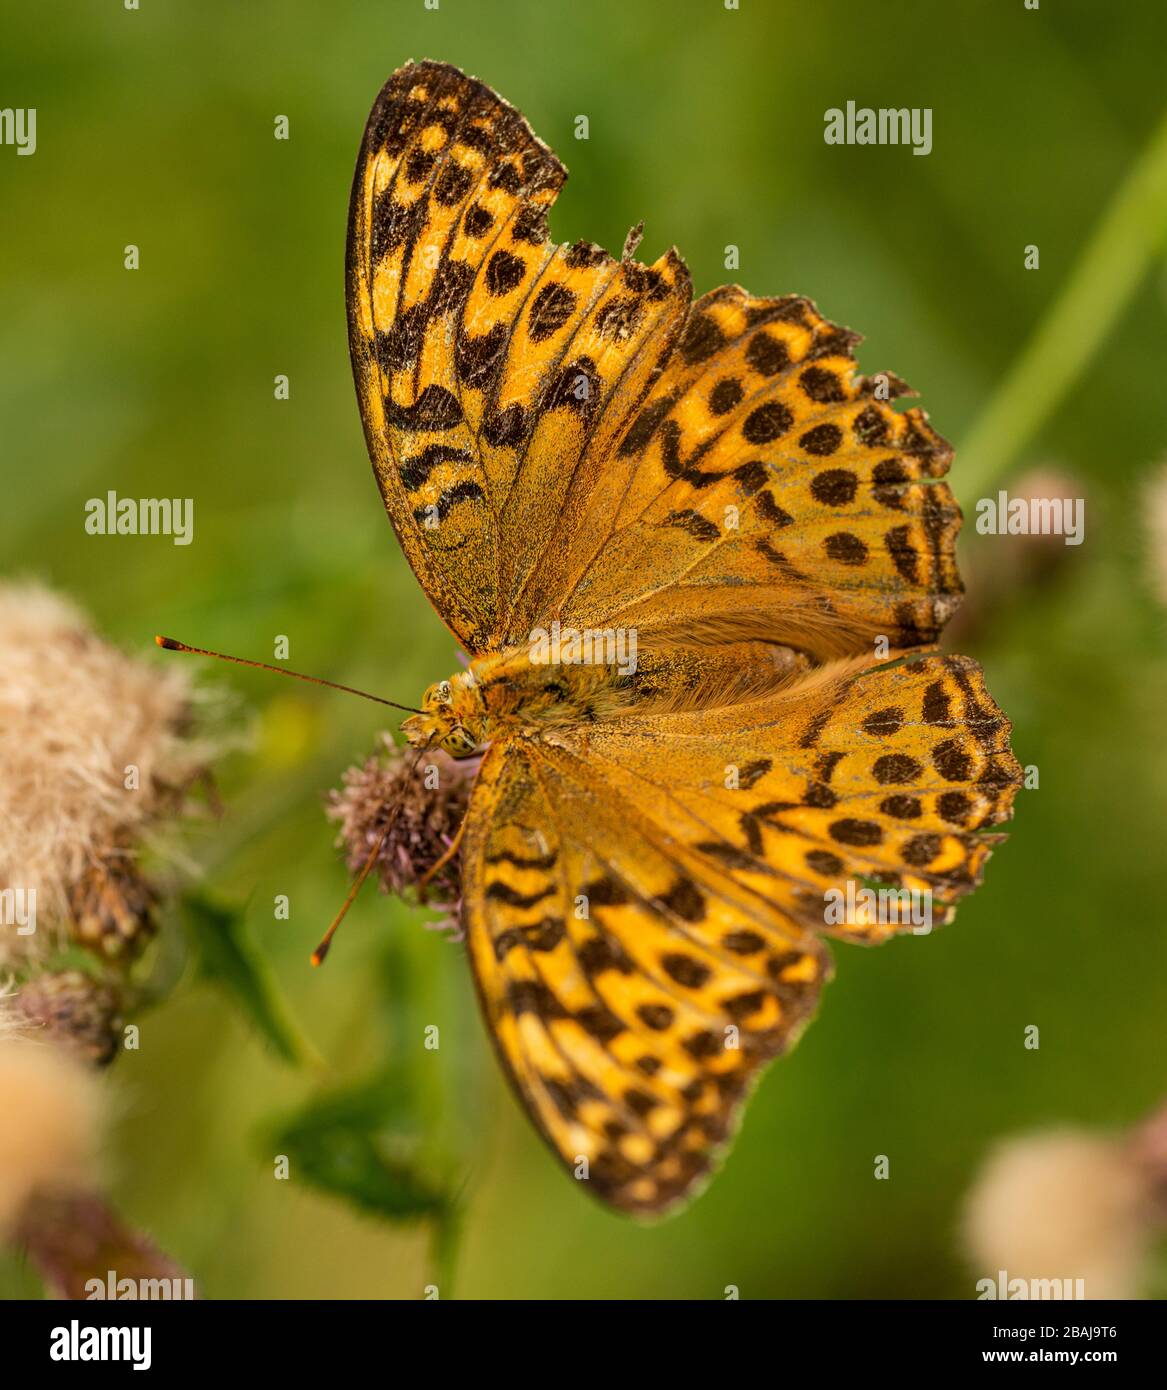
(171, 644)
(326, 940)
(391, 815)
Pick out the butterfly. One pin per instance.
(699, 566)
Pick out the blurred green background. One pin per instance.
(155, 127)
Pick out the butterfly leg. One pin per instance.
(438, 864)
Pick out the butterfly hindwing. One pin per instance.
(893, 777)
(646, 901)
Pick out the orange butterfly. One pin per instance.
(699, 566)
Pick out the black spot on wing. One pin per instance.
(523, 861)
(435, 409)
(504, 893)
(477, 360)
(642, 429)
(685, 900)
(465, 491)
(538, 936)
(416, 471)
(552, 307)
(693, 523)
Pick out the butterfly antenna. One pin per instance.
(171, 644)
(326, 940)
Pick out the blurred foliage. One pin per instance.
(155, 127)
(337, 1142)
(225, 957)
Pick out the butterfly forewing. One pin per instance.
(632, 991)
(764, 480)
(488, 360)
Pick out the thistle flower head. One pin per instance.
(72, 1008)
(417, 804)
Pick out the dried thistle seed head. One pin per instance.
(75, 1010)
(54, 1148)
(1061, 1203)
(1055, 503)
(1148, 1144)
(112, 907)
(95, 752)
(417, 809)
(1042, 552)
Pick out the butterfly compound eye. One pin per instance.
(437, 694)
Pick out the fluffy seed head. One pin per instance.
(95, 749)
(51, 1120)
(1063, 1205)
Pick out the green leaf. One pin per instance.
(360, 1144)
(226, 958)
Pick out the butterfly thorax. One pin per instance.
(514, 692)
(521, 691)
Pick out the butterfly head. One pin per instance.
(452, 718)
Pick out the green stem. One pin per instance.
(446, 1240)
(1110, 269)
